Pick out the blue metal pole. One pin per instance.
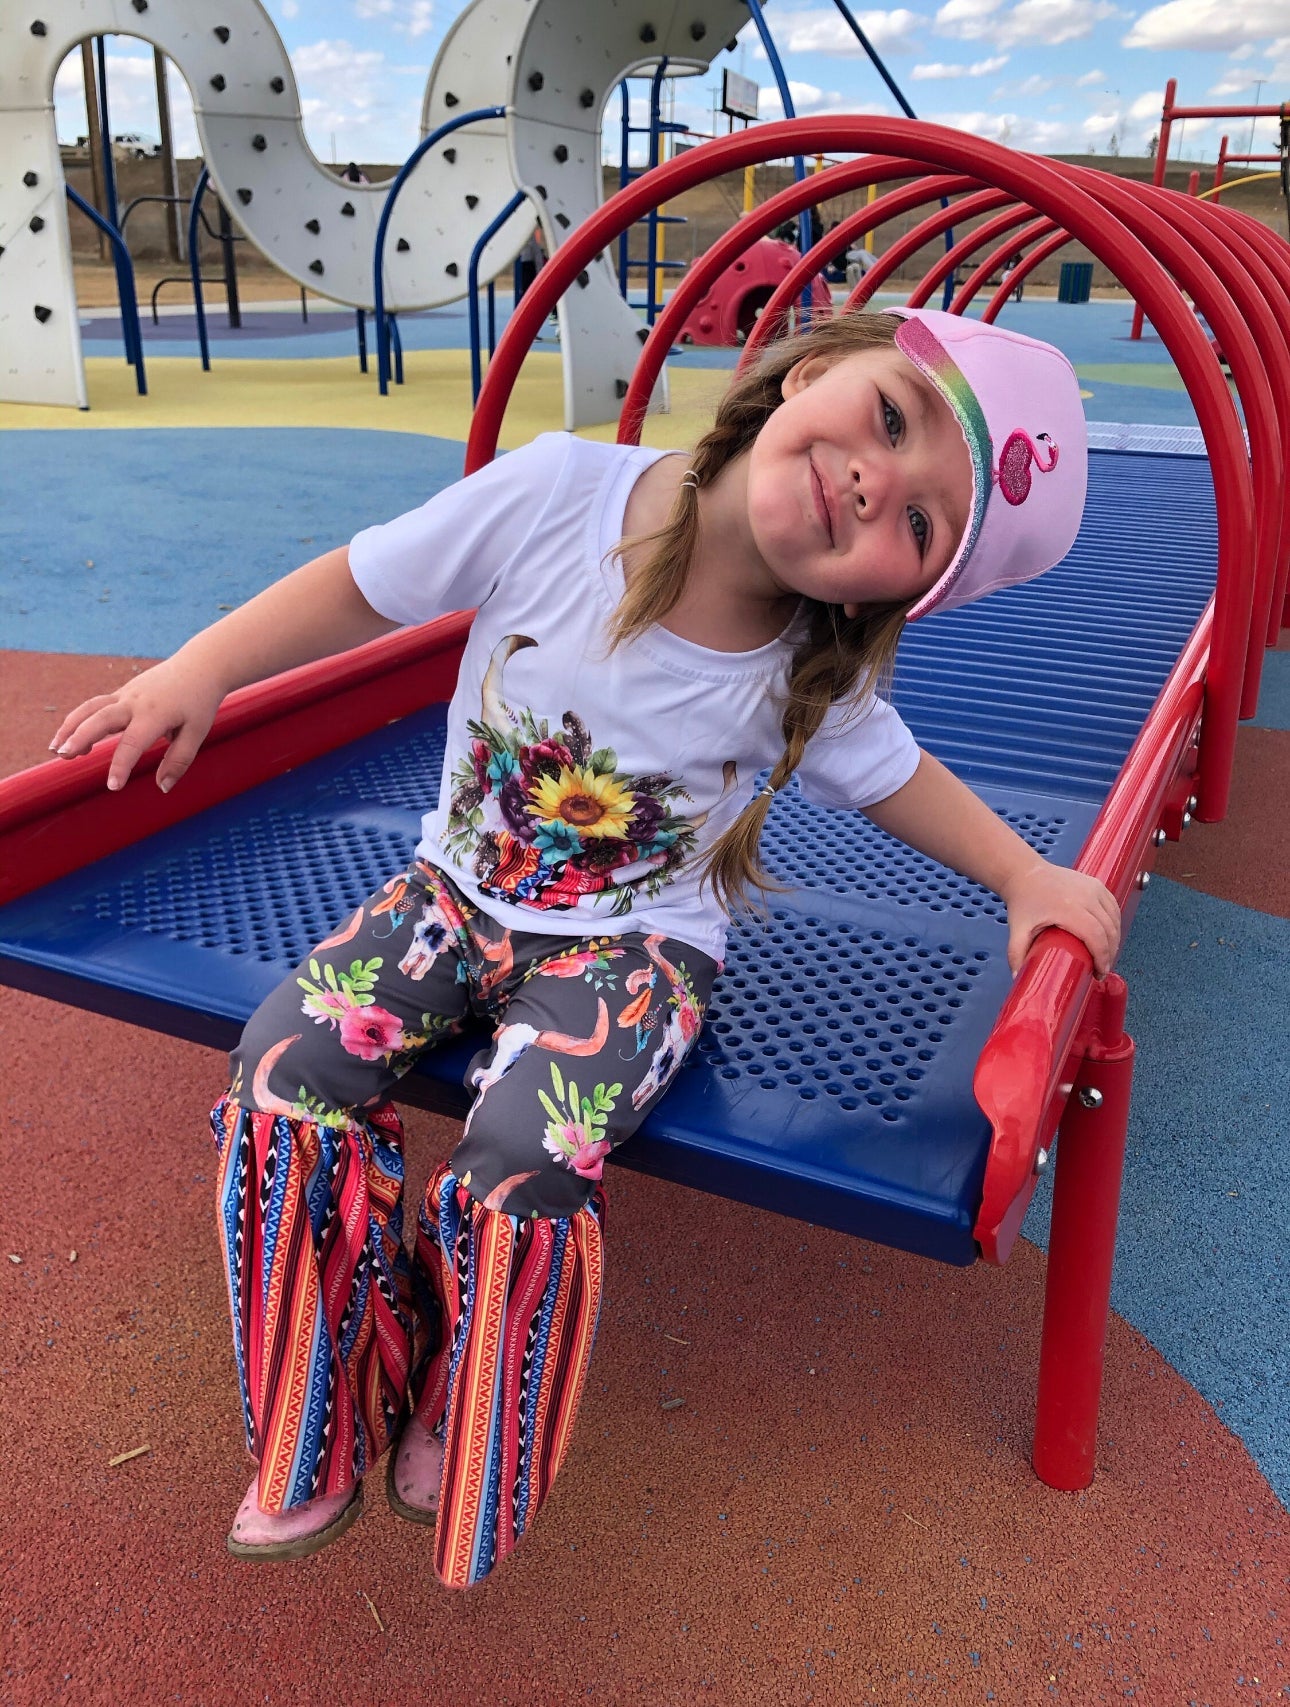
(405, 171)
(624, 178)
(195, 264)
(909, 113)
(129, 333)
(472, 289)
(799, 165)
(651, 222)
(362, 340)
(125, 277)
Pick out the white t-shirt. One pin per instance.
(582, 788)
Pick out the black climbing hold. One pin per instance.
(38, 29)
(313, 225)
(562, 219)
(402, 245)
(561, 152)
(587, 98)
(536, 81)
(315, 266)
(30, 179)
(347, 208)
(452, 269)
(35, 223)
(222, 32)
(472, 201)
(42, 314)
(620, 389)
(450, 155)
(449, 99)
(583, 280)
(141, 6)
(244, 196)
(732, 44)
(218, 83)
(277, 85)
(698, 29)
(541, 190)
(642, 333)
(259, 144)
(648, 33)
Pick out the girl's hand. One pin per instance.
(1043, 895)
(166, 701)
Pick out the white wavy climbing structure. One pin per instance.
(566, 57)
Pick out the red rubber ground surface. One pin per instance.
(841, 1511)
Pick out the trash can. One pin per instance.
(1076, 281)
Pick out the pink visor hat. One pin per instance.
(1017, 402)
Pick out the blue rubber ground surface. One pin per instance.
(186, 522)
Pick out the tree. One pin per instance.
(1152, 146)
(1113, 146)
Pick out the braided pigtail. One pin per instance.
(847, 660)
(840, 657)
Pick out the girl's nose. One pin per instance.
(869, 489)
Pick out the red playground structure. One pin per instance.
(730, 308)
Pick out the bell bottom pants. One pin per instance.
(485, 1334)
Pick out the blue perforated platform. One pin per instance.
(833, 1080)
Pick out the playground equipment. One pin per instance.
(542, 135)
(1171, 112)
(868, 1063)
(727, 313)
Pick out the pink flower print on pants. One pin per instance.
(370, 1032)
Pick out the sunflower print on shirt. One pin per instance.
(545, 819)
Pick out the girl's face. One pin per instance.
(860, 483)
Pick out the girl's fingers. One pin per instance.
(179, 755)
(134, 742)
(107, 720)
(74, 719)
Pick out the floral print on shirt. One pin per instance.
(543, 819)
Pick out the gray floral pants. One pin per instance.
(588, 1033)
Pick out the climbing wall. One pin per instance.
(319, 229)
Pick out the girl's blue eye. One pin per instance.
(892, 419)
(921, 529)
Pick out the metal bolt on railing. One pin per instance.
(1090, 1097)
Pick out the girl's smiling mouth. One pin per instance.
(821, 501)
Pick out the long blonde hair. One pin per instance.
(840, 658)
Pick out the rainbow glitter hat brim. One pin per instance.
(916, 340)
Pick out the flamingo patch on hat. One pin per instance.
(1017, 392)
(1013, 473)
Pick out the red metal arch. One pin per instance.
(1049, 190)
(891, 206)
(980, 274)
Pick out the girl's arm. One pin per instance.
(312, 613)
(941, 817)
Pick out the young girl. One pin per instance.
(653, 630)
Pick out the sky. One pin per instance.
(1048, 76)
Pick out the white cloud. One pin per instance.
(1038, 136)
(409, 18)
(1050, 22)
(823, 30)
(937, 72)
(1207, 24)
(290, 8)
(1089, 79)
(808, 99)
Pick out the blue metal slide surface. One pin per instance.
(833, 1079)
